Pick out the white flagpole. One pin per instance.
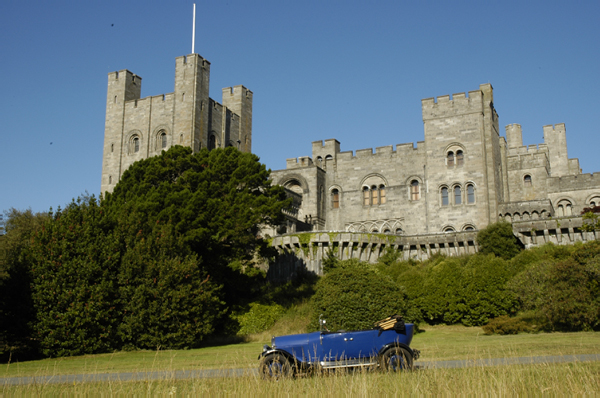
(194, 30)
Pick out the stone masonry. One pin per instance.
(137, 128)
(461, 178)
(423, 199)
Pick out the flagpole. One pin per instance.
(194, 30)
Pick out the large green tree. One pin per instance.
(16, 306)
(215, 202)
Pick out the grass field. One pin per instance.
(436, 343)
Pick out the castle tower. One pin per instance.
(123, 86)
(239, 100)
(137, 128)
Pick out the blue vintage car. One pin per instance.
(387, 346)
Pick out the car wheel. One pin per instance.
(396, 359)
(275, 367)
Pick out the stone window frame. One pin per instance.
(527, 180)
(135, 139)
(374, 192)
(468, 227)
(460, 201)
(448, 229)
(470, 184)
(409, 183)
(593, 200)
(455, 155)
(564, 207)
(444, 196)
(214, 140)
(333, 190)
(161, 135)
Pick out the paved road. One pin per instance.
(197, 374)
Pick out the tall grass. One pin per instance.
(554, 379)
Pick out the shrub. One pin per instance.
(259, 318)
(506, 325)
(354, 297)
(498, 239)
(470, 289)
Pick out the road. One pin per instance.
(206, 373)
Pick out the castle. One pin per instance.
(137, 128)
(424, 199)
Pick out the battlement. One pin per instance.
(458, 104)
(325, 150)
(296, 163)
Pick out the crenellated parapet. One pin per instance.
(460, 104)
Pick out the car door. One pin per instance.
(359, 344)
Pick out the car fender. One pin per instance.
(413, 353)
(283, 353)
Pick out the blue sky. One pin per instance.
(351, 70)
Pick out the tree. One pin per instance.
(214, 203)
(498, 239)
(16, 306)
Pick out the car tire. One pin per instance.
(396, 359)
(275, 367)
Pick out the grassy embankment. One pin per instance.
(437, 343)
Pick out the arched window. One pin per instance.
(459, 158)
(386, 231)
(374, 195)
(399, 231)
(335, 199)
(136, 144)
(527, 180)
(565, 208)
(469, 228)
(448, 229)
(382, 194)
(366, 196)
(470, 193)
(444, 196)
(450, 159)
(328, 157)
(457, 195)
(163, 139)
(212, 142)
(414, 190)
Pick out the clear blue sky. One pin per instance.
(351, 70)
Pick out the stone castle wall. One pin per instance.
(137, 128)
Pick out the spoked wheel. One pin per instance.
(275, 367)
(396, 359)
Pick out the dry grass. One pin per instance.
(436, 343)
(560, 379)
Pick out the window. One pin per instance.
(335, 199)
(450, 159)
(459, 158)
(163, 140)
(414, 190)
(448, 229)
(109, 180)
(136, 144)
(457, 195)
(469, 228)
(382, 194)
(386, 231)
(328, 157)
(527, 180)
(398, 231)
(374, 195)
(366, 196)
(112, 147)
(565, 208)
(470, 194)
(444, 196)
(212, 142)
